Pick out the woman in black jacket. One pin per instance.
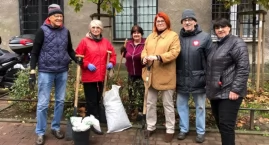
(226, 78)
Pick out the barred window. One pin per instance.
(140, 12)
(219, 11)
(33, 13)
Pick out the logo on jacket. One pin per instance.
(195, 43)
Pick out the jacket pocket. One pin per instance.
(198, 79)
(213, 86)
(227, 79)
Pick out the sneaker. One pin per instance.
(57, 133)
(40, 140)
(200, 138)
(168, 137)
(182, 135)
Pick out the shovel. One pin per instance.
(141, 138)
(102, 112)
(80, 57)
(69, 130)
(125, 42)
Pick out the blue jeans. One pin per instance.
(45, 83)
(183, 111)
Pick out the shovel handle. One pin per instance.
(147, 84)
(105, 81)
(121, 57)
(77, 81)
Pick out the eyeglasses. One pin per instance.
(160, 21)
(58, 16)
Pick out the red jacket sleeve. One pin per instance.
(81, 51)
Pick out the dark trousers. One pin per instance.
(225, 112)
(93, 94)
(136, 91)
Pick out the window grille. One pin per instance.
(140, 12)
(33, 13)
(219, 11)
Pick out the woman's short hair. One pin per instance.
(96, 23)
(166, 19)
(137, 28)
(221, 22)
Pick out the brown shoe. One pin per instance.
(168, 137)
(148, 133)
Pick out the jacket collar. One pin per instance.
(131, 42)
(48, 23)
(197, 29)
(222, 40)
(163, 35)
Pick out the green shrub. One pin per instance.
(20, 90)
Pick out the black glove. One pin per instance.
(123, 50)
(79, 60)
(32, 81)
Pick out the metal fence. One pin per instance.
(251, 111)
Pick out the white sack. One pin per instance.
(117, 119)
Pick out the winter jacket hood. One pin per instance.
(197, 30)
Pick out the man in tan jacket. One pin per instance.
(162, 46)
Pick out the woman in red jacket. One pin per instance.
(94, 48)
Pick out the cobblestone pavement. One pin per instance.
(23, 134)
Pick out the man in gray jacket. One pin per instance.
(191, 67)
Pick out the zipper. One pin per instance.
(213, 56)
(188, 60)
(100, 64)
(134, 47)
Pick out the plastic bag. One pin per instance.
(80, 124)
(117, 119)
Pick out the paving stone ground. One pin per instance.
(23, 134)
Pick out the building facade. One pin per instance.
(25, 16)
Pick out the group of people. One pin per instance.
(187, 63)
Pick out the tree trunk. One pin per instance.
(98, 9)
(253, 70)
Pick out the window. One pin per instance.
(218, 11)
(33, 13)
(140, 12)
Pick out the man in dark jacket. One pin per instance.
(191, 67)
(52, 51)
